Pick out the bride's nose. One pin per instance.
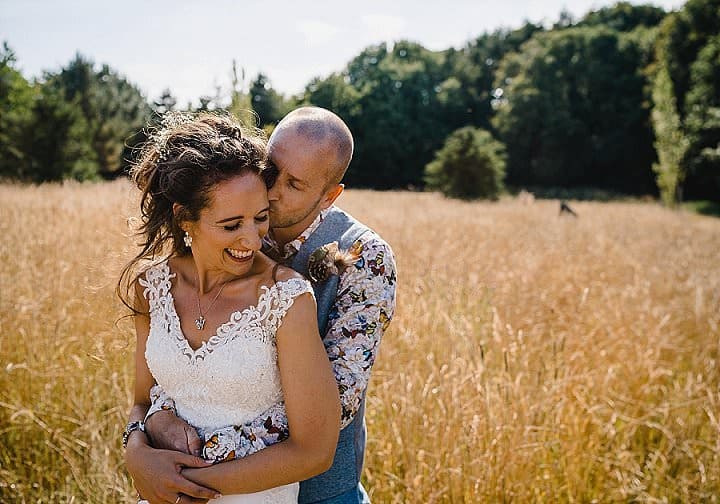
(251, 241)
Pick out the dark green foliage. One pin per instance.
(687, 48)
(392, 100)
(572, 111)
(471, 164)
(113, 111)
(336, 94)
(466, 95)
(16, 97)
(42, 135)
(683, 35)
(624, 17)
(57, 146)
(703, 123)
(267, 103)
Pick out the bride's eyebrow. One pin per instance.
(240, 217)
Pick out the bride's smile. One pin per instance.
(229, 231)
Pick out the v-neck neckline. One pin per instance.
(218, 336)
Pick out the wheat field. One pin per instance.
(532, 359)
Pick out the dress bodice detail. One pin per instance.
(231, 378)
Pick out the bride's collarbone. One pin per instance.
(237, 296)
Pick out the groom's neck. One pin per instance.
(284, 235)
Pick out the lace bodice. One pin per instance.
(233, 377)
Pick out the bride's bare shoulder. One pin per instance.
(283, 273)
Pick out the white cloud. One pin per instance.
(317, 33)
(381, 27)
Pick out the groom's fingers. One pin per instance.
(186, 460)
(192, 490)
(187, 487)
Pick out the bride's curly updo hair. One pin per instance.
(184, 159)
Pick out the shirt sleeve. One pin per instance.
(363, 309)
(234, 441)
(159, 401)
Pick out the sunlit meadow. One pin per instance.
(533, 358)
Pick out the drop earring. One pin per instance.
(187, 239)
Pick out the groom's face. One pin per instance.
(300, 190)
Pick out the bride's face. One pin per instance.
(230, 230)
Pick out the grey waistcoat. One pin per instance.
(344, 474)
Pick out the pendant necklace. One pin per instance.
(200, 321)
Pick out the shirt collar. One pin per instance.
(292, 248)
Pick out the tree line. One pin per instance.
(625, 99)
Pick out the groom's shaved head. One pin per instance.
(325, 131)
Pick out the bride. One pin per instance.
(226, 331)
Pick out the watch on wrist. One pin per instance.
(129, 429)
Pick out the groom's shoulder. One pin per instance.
(359, 231)
(369, 246)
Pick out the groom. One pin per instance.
(309, 150)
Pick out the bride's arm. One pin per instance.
(156, 473)
(313, 411)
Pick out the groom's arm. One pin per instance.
(364, 306)
(168, 431)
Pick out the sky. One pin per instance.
(189, 46)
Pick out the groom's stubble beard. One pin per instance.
(278, 220)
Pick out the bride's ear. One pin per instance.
(178, 213)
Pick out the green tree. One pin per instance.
(703, 123)
(113, 109)
(687, 48)
(268, 104)
(571, 111)
(670, 141)
(57, 146)
(470, 164)
(399, 127)
(624, 17)
(16, 100)
(334, 93)
(466, 94)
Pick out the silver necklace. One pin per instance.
(200, 321)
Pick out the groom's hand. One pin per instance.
(157, 475)
(169, 432)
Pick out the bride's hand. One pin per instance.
(169, 432)
(157, 475)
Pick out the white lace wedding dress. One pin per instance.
(233, 377)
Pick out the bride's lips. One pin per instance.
(240, 260)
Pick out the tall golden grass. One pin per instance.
(532, 359)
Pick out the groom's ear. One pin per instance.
(332, 194)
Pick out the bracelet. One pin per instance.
(129, 429)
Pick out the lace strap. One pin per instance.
(281, 298)
(157, 284)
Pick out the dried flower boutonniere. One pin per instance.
(330, 260)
